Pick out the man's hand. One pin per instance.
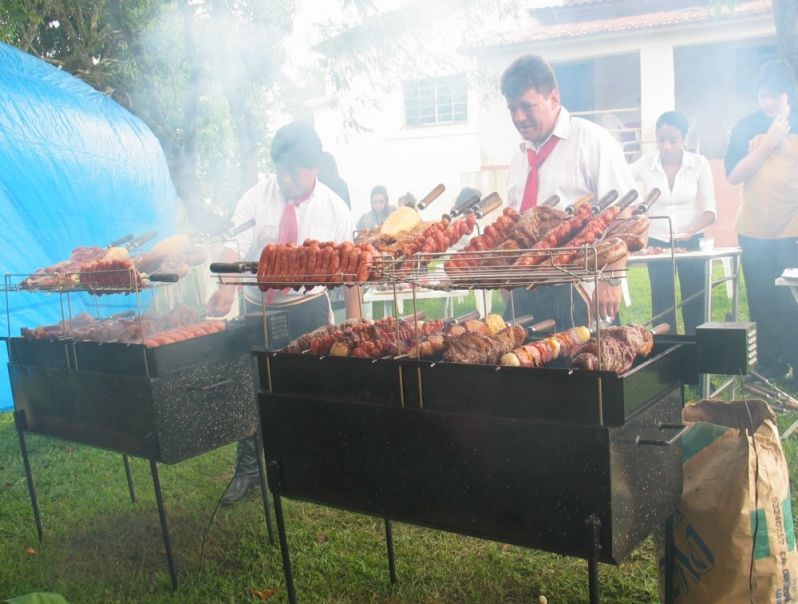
(609, 300)
(220, 303)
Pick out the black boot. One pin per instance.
(246, 477)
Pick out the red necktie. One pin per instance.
(288, 231)
(289, 226)
(536, 158)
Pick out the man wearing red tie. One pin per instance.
(560, 155)
(289, 207)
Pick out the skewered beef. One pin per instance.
(619, 348)
(480, 349)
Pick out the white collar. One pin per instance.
(562, 127)
(688, 161)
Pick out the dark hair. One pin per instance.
(328, 174)
(379, 190)
(777, 77)
(296, 145)
(529, 71)
(676, 119)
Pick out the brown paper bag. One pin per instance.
(733, 533)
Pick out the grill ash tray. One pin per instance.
(552, 394)
(136, 359)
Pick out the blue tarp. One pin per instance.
(76, 169)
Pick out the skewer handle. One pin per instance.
(463, 207)
(547, 325)
(430, 197)
(487, 205)
(121, 240)
(164, 277)
(608, 199)
(234, 267)
(141, 240)
(551, 201)
(467, 317)
(660, 329)
(627, 199)
(650, 200)
(588, 198)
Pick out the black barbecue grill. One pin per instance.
(166, 403)
(581, 463)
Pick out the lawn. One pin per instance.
(99, 547)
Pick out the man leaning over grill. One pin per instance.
(562, 155)
(291, 206)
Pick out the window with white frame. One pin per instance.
(436, 101)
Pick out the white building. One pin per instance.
(620, 62)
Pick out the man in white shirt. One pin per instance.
(561, 155)
(289, 207)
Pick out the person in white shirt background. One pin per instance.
(291, 206)
(572, 157)
(688, 198)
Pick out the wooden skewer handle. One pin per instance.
(431, 196)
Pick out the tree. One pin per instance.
(202, 74)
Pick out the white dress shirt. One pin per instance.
(587, 159)
(693, 192)
(323, 216)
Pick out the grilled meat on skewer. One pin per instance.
(479, 349)
(619, 348)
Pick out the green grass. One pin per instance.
(99, 547)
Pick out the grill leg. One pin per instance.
(21, 423)
(669, 561)
(389, 545)
(167, 542)
(592, 526)
(274, 477)
(264, 489)
(130, 487)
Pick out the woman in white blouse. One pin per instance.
(688, 197)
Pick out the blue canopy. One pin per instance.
(76, 169)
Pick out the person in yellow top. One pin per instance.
(763, 157)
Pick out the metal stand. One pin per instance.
(164, 525)
(669, 561)
(21, 423)
(274, 479)
(264, 489)
(131, 489)
(389, 545)
(592, 527)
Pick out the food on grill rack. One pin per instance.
(619, 348)
(589, 234)
(315, 262)
(64, 274)
(185, 332)
(536, 354)
(557, 236)
(181, 323)
(368, 339)
(402, 220)
(495, 234)
(480, 349)
(436, 239)
(633, 231)
(606, 252)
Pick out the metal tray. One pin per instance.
(556, 394)
(136, 359)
